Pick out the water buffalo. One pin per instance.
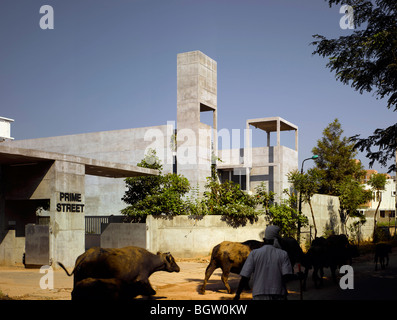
(129, 264)
(110, 289)
(230, 257)
(382, 251)
(331, 252)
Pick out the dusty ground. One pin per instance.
(24, 284)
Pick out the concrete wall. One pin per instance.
(192, 236)
(327, 218)
(119, 235)
(11, 248)
(37, 243)
(189, 236)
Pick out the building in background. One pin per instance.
(387, 199)
(197, 144)
(66, 178)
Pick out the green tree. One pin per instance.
(138, 188)
(377, 182)
(335, 162)
(155, 195)
(307, 185)
(229, 200)
(287, 218)
(264, 197)
(367, 61)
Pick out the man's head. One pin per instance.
(272, 234)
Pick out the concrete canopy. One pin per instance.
(20, 156)
(270, 124)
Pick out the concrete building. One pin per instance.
(33, 180)
(5, 129)
(91, 167)
(250, 166)
(387, 199)
(196, 143)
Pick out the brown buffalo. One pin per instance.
(230, 257)
(129, 264)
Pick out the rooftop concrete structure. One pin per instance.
(196, 93)
(274, 124)
(280, 159)
(250, 166)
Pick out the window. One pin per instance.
(236, 178)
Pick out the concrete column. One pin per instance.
(278, 132)
(215, 133)
(247, 178)
(67, 222)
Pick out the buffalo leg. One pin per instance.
(382, 263)
(315, 276)
(318, 280)
(306, 274)
(147, 289)
(208, 272)
(225, 277)
(321, 276)
(333, 273)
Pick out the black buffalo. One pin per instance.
(110, 289)
(129, 265)
(382, 251)
(331, 252)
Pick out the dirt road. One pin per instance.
(24, 284)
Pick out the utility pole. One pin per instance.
(300, 199)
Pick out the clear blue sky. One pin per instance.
(111, 65)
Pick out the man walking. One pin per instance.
(270, 267)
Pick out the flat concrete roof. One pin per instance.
(19, 156)
(270, 124)
(6, 119)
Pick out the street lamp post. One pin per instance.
(300, 198)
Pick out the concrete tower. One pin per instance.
(196, 93)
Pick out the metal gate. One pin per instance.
(37, 245)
